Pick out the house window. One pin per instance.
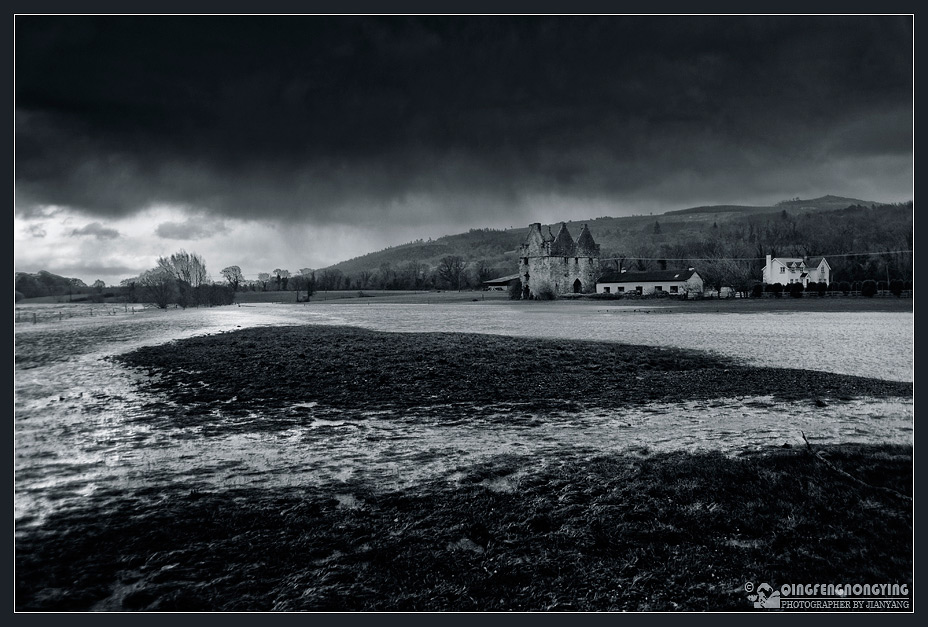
(606, 290)
(639, 289)
(619, 289)
(658, 288)
(673, 289)
(782, 270)
(576, 260)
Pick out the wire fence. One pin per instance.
(35, 314)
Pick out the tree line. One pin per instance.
(452, 272)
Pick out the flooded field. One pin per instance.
(84, 428)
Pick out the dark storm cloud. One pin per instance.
(95, 229)
(335, 118)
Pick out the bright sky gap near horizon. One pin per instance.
(288, 142)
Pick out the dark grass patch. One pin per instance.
(347, 367)
(621, 532)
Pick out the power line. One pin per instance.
(882, 252)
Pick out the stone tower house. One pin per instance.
(556, 264)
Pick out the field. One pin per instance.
(261, 463)
(667, 532)
(731, 305)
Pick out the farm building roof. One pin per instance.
(502, 280)
(646, 277)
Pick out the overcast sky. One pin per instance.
(291, 142)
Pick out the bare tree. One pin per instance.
(386, 276)
(483, 272)
(189, 270)
(363, 279)
(281, 277)
(331, 279)
(413, 274)
(187, 267)
(297, 283)
(307, 282)
(159, 285)
(233, 274)
(451, 271)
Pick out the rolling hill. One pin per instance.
(622, 236)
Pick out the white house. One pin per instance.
(676, 282)
(805, 270)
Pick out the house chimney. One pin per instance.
(769, 272)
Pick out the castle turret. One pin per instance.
(563, 245)
(586, 247)
(534, 244)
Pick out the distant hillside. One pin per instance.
(816, 204)
(494, 247)
(793, 226)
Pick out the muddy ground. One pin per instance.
(348, 367)
(637, 531)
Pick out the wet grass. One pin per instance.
(636, 532)
(347, 367)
